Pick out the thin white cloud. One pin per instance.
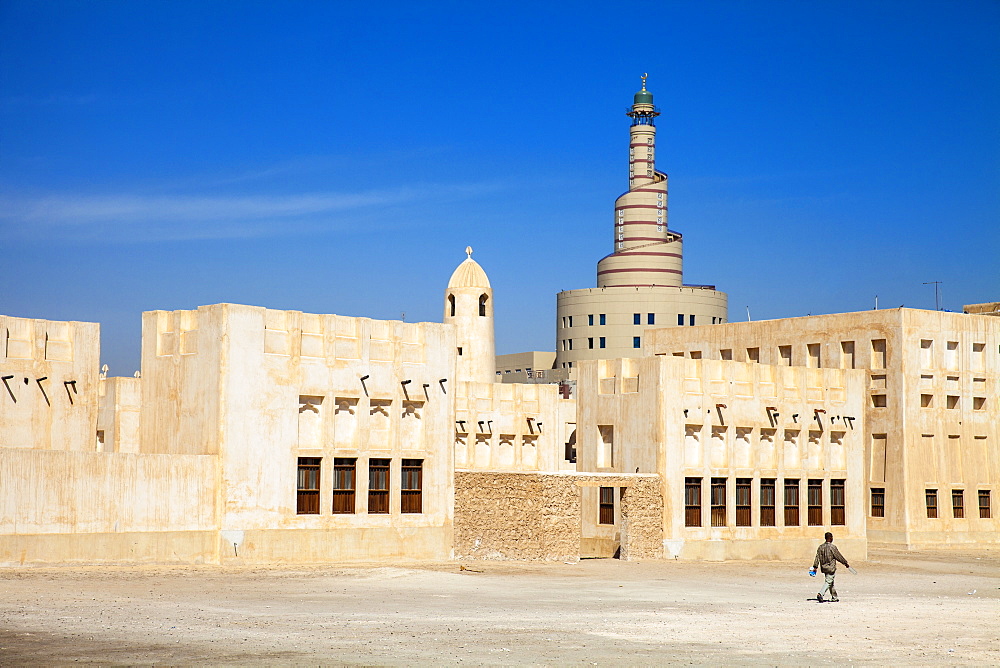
(138, 217)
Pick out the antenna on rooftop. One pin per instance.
(937, 293)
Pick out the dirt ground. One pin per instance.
(902, 608)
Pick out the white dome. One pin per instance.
(469, 274)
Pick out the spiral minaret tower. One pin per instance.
(645, 252)
(640, 283)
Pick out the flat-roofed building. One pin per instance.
(932, 419)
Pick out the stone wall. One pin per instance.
(642, 518)
(537, 516)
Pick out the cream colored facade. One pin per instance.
(775, 454)
(932, 421)
(641, 282)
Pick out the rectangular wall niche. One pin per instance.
(310, 421)
(378, 423)
(345, 422)
(606, 447)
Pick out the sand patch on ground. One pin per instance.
(912, 608)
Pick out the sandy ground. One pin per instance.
(916, 609)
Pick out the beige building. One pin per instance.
(640, 284)
(756, 461)
(932, 422)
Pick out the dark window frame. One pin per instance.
(838, 502)
(345, 483)
(878, 502)
(411, 485)
(692, 502)
(744, 508)
(768, 497)
(718, 501)
(930, 501)
(606, 505)
(814, 502)
(307, 485)
(958, 503)
(790, 501)
(379, 480)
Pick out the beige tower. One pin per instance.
(468, 304)
(641, 283)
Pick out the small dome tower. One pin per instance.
(468, 304)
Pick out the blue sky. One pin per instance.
(337, 157)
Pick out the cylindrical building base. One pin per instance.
(607, 323)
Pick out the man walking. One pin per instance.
(827, 556)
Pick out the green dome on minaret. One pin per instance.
(643, 96)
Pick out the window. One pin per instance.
(926, 400)
(590, 319)
(878, 400)
(451, 305)
(636, 319)
(308, 486)
(691, 320)
(951, 401)
(590, 342)
(785, 353)
(692, 502)
(636, 342)
(767, 498)
(650, 318)
(607, 513)
(791, 502)
(958, 503)
(378, 486)
(680, 319)
(600, 342)
(878, 501)
(815, 501)
(984, 504)
(753, 354)
(837, 503)
(978, 403)
(603, 319)
(726, 354)
(411, 486)
(569, 343)
(570, 320)
(718, 502)
(482, 304)
(743, 502)
(930, 497)
(344, 471)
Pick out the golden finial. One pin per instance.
(468, 251)
(644, 76)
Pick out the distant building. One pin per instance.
(640, 284)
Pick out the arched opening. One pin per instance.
(482, 304)
(451, 305)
